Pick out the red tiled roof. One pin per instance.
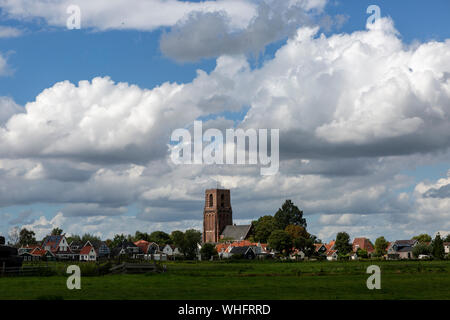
(38, 252)
(318, 246)
(86, 250)
(143, 245)
(221, 246)
(330, 245)
(242, 243)
(362, 243)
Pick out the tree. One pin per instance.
(264, 226)
(117, 240)
(207, 251)
(74, 238)
(421, 248)
(141, 236)
(297, 232)
(422, 238)
(189, 245)
(26, 237)
(438, 247)
(380, 246)
(361, 253)
(281, 241)
(160, 237)
(301, 239)
(177, 237)
(289, 214)
(342, 244)
(56, 231)
(306, 245)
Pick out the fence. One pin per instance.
(26, 271)
(136, 268)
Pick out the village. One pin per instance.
(56, 248)
(221, 239)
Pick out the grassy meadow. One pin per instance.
(236, 280)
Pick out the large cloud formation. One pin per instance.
(354, 111)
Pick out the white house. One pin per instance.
(177, 252)
(88, 253)
(332, 255)
(169, 250)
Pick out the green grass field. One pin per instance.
(248, 280)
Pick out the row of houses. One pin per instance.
(396, 250)
(261, 250)
(56, 247)
(399, 249)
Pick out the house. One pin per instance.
(126, 248)
(296, 254)
(171, 250)
(330, 246)
(401, 249)
(320, 248)
(148, 250)
(447, 247)
(246, 251)
(363, 244)
(147, 247)
(88, 253)
(102, 249)
(42, 254)
(58, 246)
(27, 249)
(332, 255)
(76, 246)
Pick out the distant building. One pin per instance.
(401, 249)
(320, 248)
(88, 253)
(363, 244)
(447, 247)
(218, 218)
(247, 252)
(126, 248)
(59, 247)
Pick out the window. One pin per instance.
(211, 200)
(222, 200)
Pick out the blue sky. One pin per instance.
(46, 53)
(134, 56)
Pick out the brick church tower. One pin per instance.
(217, 214)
